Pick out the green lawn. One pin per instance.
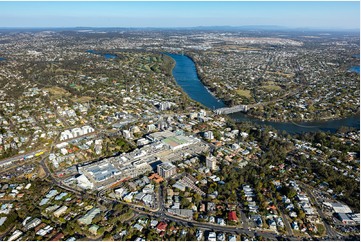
(272, 87)
(244, 93)
(321, 229)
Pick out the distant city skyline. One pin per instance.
(328, 15)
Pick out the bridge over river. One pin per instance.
(234, 109)
(238, 108)
(185, 74)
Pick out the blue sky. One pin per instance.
(340, 15)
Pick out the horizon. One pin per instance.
(288, 15)
(204, 27)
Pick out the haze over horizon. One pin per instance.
(319, 15)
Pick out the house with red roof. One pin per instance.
(162, 226)
(58, 237)
(232, 216)
(272, 207)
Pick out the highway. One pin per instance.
(18, 157)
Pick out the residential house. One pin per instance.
(162, 226)
(232, 216)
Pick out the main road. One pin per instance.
(19, 157)
(330, 232)
(161, 213)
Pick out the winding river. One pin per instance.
(185, 74)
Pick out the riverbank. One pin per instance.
(226, 102)
(321, 119)
(186, 76)
(170, 71)
(326, 119)
(355, 69)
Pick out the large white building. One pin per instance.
(211, 163)
(77, 132)
(338, 207)
(67, 134)
(84, 182)
(127, 134)
(208, 135)
(73, 133)
(163, 146)
(60, 211)
(151, 127)
(88, 217)
(17, 233)
(87, 129)
(166, 169)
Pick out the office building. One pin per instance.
(166, 169)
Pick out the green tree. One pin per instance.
(291, 193)
(185, 202)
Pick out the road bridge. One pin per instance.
(234, 109)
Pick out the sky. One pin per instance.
(325, 14)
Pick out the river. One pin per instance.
(355, 69)
(185, 74)
(105, 55)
